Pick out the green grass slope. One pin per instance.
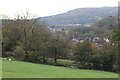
(17, 69)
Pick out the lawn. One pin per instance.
(17, 69)
(66, 63)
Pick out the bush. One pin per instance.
(96, 62)
(19, 53)
(31, 56)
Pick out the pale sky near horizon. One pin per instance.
(49, 7)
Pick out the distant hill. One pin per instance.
(81, 16)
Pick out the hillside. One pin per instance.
(81, 16)
(17, 69)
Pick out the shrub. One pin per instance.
(19, 53)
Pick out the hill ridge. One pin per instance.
(81, 16)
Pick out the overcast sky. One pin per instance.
(49, 7)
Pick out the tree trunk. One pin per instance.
(55, 60)
(55, 56)
(44, 59)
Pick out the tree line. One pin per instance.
(30, 40)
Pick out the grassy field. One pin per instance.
(17, 69)
(62, 62)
